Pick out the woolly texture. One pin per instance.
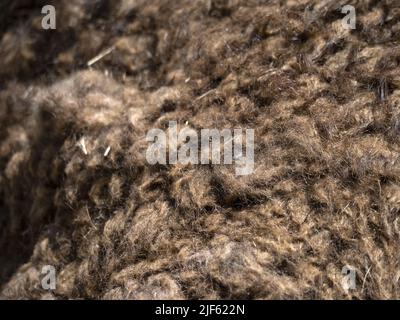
(325, 105)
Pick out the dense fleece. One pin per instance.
(324, 102)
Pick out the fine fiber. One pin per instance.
(76, 190)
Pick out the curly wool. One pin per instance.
(325, 193)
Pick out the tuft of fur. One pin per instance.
(325, 193)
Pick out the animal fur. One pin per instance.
(325, 105)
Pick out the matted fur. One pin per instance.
(325, 105)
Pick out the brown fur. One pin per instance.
(325, 105)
